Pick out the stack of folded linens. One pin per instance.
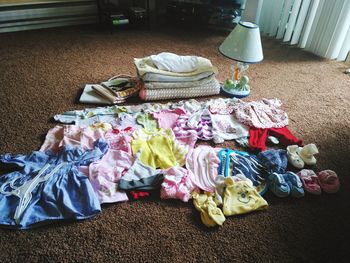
(170, 76)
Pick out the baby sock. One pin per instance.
(214, 212)
(199, 201)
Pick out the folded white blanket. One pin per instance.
(175, 63)
(146, 65)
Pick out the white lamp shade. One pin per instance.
(243, 43)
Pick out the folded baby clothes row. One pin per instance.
(170, 76)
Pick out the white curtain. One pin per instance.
(319, 26)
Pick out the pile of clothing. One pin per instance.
(168, 76)
(117, 153)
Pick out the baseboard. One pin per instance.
(48, 24)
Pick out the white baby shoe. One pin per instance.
(294, 157)
(307, 154)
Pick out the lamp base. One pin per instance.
(234, 91)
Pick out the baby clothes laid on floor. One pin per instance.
(177, 184)
(141, 177)
(73, 135)
(211, 215)
(126, 120)
(265, 113)
(48, 187)
(235, 163)
(148, 122)
(119, 139)
(258, 137)
(199, 123)
(167, 118)
(226, 127)
(280, 182)
(241, 197)
(203, 124)
(106, 173)
(202, 163)
(53, 138)
(274, 160)
(158, 149)
(181, 128)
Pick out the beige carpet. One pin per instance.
(42, 73)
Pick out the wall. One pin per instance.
(348, 59)
(17, 15)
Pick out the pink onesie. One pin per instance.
(167, 118)
(177, 184)
(202, 163)
(106, 173)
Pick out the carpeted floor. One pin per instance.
(42, 73)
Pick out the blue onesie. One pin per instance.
(48, 187)
(234, 162)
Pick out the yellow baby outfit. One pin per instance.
(158, 148)
(241, 197)
(211, 215)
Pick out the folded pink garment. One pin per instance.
(212, 88)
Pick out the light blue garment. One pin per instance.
(48, 187)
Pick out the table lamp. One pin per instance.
(243, 45)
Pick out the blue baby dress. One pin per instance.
(48, 187)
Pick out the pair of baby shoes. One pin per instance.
(301, 156)
(286, 184)
(326, 181)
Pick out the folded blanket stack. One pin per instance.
(170, 76)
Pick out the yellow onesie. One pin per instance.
(158, 148)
